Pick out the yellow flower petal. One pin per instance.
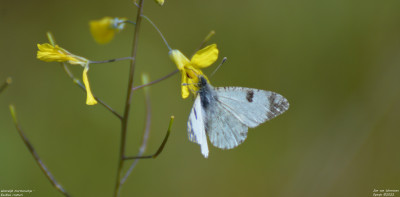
(50, 53)
(205, 57)
(178, 58)
(103, 30)
(90, 100)
(190, 70)
(184, 85)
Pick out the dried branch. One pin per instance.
(43, 167)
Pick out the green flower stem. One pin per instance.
(33, 152)
(145, 138)
(158, 30)
(125, 117)
(129, 22)
(156, 81)
(160, 149)
(111, 60)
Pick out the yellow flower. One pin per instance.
(103, 30)
(160, 2)
(190, 70)
(50, 53)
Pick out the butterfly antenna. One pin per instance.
(222, 62)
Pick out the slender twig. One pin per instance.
(78, 82)
(160, 149)
(6, 84)
(42, 166)
(158, 30)
(111, 60)
(125, 118)
(145, 138)
(156, 81)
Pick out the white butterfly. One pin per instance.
(225, 113)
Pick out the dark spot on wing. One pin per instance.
(270, 115)
(277, 105)
(272, 104)
(250, 95)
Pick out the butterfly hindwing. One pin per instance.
(224, 130)
(196, 127)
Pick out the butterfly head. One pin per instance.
(202, 81)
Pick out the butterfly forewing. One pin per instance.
(251, 106)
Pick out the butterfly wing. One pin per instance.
(252, 106)
(235, 109)
(223, 128)
(196, 129)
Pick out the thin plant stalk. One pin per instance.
(160, 149)
(111, 60)
(156, 81)
(158, 30)
(33, 152)
(142, 149)
(146, 134)
(125, 117)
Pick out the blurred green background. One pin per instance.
(336, 61)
